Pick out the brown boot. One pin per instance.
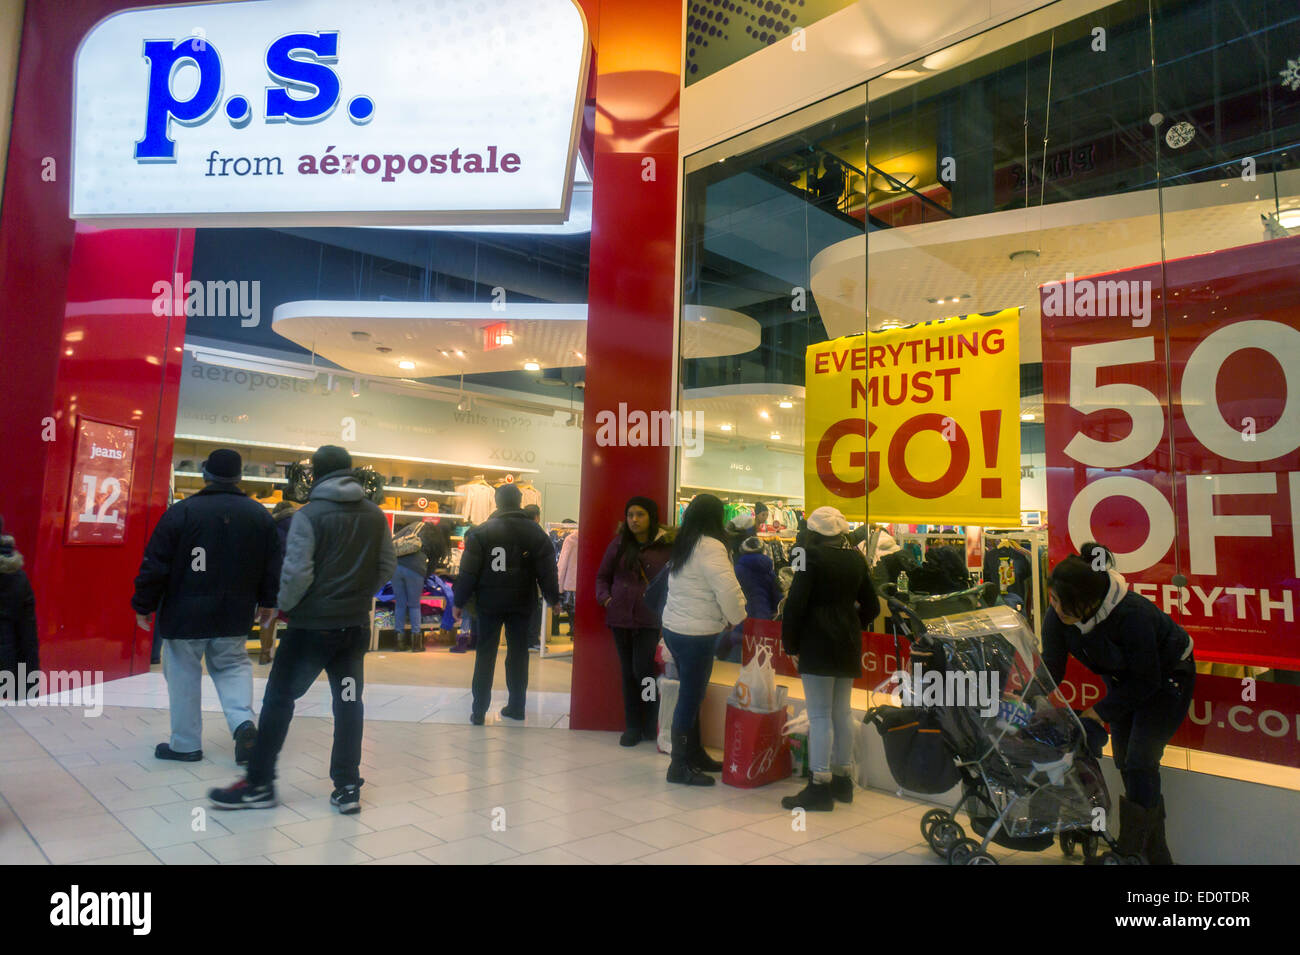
(417, 641)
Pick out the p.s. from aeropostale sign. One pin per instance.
(329, 112)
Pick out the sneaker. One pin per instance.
(347, 799)
(512, 714)
(243, 795)
(245, 738)
(163, 751)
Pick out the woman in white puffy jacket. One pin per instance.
(704, 599)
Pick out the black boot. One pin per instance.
(1157, 849)
(403, 640)
(417, 641)
(815, 797)
(630, 737)
(697, 755)
(842, 788)
(680, 770)
(1134, 828)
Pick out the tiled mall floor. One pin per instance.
(77, 789)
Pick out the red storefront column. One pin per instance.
(78, 337)
(631, 303)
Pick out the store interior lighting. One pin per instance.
(226, 359)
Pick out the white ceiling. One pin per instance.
(744, 406)
(971, 256)
(447, 338)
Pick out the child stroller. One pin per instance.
(980, 709)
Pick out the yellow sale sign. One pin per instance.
(923, 422)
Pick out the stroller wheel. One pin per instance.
(962, 850)
(1068, 841)
(929, 819)
(981, 858)
(943, 835)
(1115, 858)
(1091, 843)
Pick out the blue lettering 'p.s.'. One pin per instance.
(166, 58)
(298, 61)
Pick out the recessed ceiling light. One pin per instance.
(1289, 218)
(775, 435)
(505, 338)
(459, 353)
(361, 336)
(787, 404)
(406, 365)
(726, 427)
(1027, 416)
(532, 366)
(763, 414)
(382, 349)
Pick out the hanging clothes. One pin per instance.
(480, 501)
(530, 495)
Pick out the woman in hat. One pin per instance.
(633, 558)
(831, 601)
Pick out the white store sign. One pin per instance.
(329, 112)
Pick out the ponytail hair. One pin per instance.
(1081, 581)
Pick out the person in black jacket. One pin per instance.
(340, 553)
(211, 563)
(506, 559)
(831, 601)
(19, 652)
(1145, 660)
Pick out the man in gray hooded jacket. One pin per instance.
(338, 554)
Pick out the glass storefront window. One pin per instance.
(1118, 186)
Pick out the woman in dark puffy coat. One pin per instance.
(831, 601)
(631, 561)
(1145, 660)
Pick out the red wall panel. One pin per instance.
(97, 287)
(631, 303)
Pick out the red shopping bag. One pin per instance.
(755, 753)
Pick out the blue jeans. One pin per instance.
(231, 671)
(694, 658)
(408, 586)
(830, 713)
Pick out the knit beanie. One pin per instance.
(647, 505)
(509, 497)
(751, 545)
(223, 466)
(828, 522)
(744, 521)
(328, 460)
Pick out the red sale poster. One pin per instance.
(1173, 437)
(101, 483)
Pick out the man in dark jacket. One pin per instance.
(506, 559)
(212, 561)
(340, 552)
(18, 646)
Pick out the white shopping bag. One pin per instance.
(756, 686)
(667, 703)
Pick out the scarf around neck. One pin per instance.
(1118, 588)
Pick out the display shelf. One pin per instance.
(368, 455)
(395, 488)
(243, 477)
